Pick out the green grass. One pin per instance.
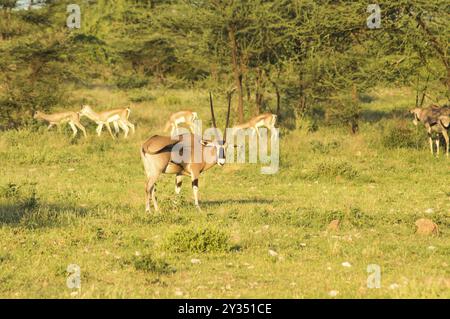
(82, 202)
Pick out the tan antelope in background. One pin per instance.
(264, 120)
(71, 118)
(157, 157)
(435, 120)
(182, 117)
(119, 118)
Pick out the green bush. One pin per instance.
(131, 82)
(148, 264)
(198, 240)
(140, 97)
(24, 196)
(402, 135)
(333, 168)
(324, 148)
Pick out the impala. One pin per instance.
(187, 117)
(72, 118)
(264, 120)
(158, 154)
(119, 118)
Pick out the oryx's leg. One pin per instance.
(150, 191)
(178, 182)
(124, 128)
(194, 177)
(74, 129)
(109, 130)
(99, 129)
(81, 127)
(50, 126)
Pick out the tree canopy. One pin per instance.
(280, 55)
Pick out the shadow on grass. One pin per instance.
(373, 116)
(40, 215)
(237, 201)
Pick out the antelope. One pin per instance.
(435, 120)
(263, 120)
(157, 154)
(119, 118)
(187, 117)
(72, 118)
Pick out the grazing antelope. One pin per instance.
(119, 118)
(435, 120)
(263, 120)
(175, 119)
(157, 156)
(72, 118)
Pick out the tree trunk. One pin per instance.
(354, 119)
(259, 90)
(237, 73)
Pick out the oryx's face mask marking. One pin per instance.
(220, 147)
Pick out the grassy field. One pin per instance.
(82, 202)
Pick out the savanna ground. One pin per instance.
(82, 202)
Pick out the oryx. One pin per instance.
(158, 154)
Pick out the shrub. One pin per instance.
(324, 148)
(148, 264)
(402, 135)
(334, 168)
(198, 240)
(140, 97)
(24, 196)
(131, 82)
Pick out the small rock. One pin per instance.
(426, 227)
(394, 286)
(429, 211)
(195, 261)
(74, 293)
(137, 253)
(333, 293)
(431, 248)
(346, 264)
(179, 293)
(302, 245)
(273, 253)
(334, 225)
